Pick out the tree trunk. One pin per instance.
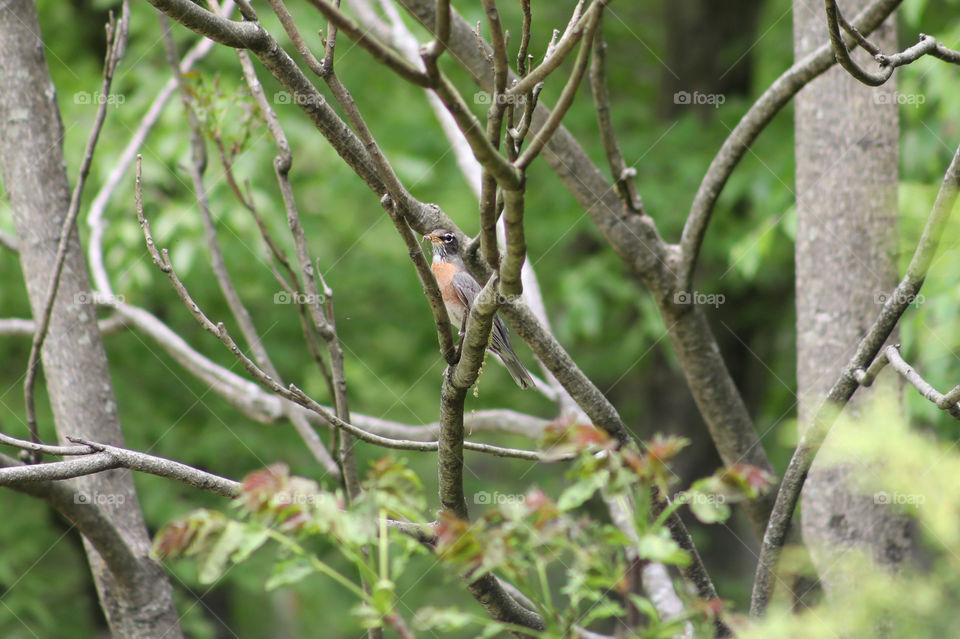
(134, 591)
(846, 153)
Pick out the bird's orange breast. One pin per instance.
(444, 272)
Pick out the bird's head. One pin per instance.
(444, 242)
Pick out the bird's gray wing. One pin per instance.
(467, 288)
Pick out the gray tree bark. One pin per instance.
(846, 248)
(134, 591)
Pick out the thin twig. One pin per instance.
(15, 327)
(569, 90)
(887, 63)
(891, 354)
(98, 207)
(488, 183)
(116, 45)
(373, 46)
(397, 192)
(575, 31)
(161, 259)
(623, 177)
(93, 457)
(235, 303)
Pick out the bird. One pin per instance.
(459, 289)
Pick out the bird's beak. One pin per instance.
(433, 238)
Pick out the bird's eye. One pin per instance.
(449, 237)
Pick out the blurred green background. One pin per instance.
(606, 321)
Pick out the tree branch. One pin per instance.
(891, 355)
(623, 177)
(760, 114)
(846, 384)
(926, 45)
(116, 45)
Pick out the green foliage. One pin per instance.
(532, 541)
(915, 474)
(606, 321)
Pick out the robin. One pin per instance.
(459, 289)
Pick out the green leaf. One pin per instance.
(442, 619)
(581, 491)
(384, 596)
(602, 610)
(709, 508)
(215, 562)
(289, 571)
(255, 536)
(661, 547)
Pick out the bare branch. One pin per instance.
(488, 183)
(575, 31)
(516, 249)
(888, 63)
(237, 307)
(622, 176)
(116, 44)
(98, 208)
(844, 387)
(891, 354)
(15, 327)
(436, 48)
(545, 132)
(558, 361)
(748, 129)
(379, 52)
(99, 457)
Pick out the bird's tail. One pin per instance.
(500, 345)
(516, 369)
